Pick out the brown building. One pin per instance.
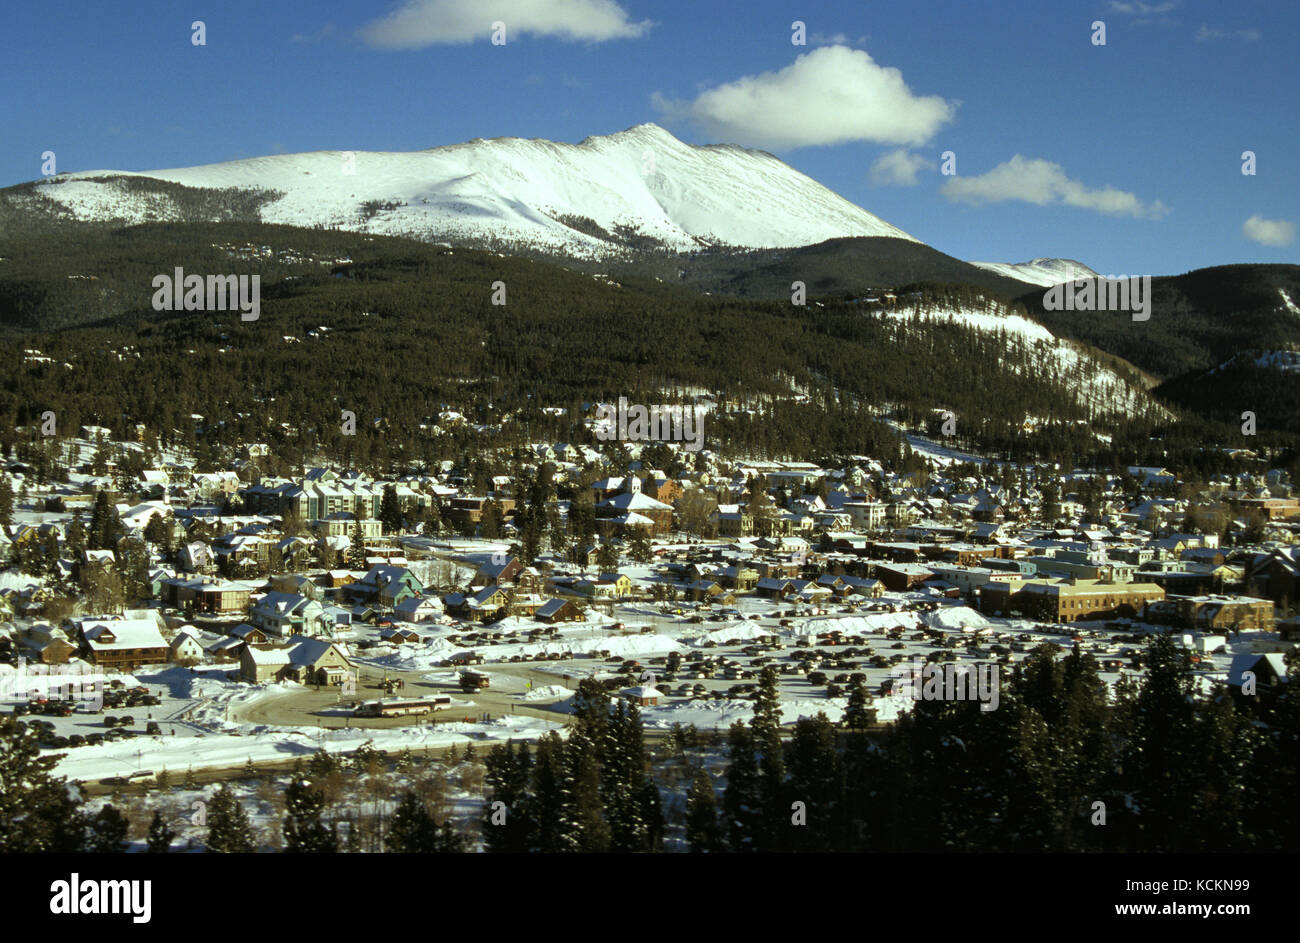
(123, 643)
(1216, 613)
(1068, 600)
(469, 510)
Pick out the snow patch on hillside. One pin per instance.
(1093, 383)
(1044, 272)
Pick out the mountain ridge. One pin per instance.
(637, 186)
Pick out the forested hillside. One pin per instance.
(396, 330)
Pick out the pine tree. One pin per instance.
(229, 831)
(766, 725)
(108, 830)
(742, 802)
(607, 558)
(6, 501)
(507, 775)
(160, 835)
(105, 524)
(549, 819)
(357, 548)
(702, 832)
(815, 781)
(304, 829)
(858, 714)
(390, 510)
(37, 811)
(411, 830)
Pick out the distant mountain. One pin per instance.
(1045, 272)
(834, 268)
(640, 188)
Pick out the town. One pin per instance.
(244, 619)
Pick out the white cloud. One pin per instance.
(1205, 33)
(898, 168)
(1138, 8)
(1042, 182)
(827, 96)
(420, 23)
(1269, 232)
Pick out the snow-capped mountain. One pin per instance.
(1045, 272)
(584, 199)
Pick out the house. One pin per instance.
(900, 577)
(296, 583)
(643, 695)
(123, 643)
(286, 614)
(308, 660)
(226, 649)
(419, 609)
(483, 606)
(1269, 670)
(46, 645)
(386, 585)
(659, 514)
(558, 610)
(186, 645)
(319, 661)
(250, 635)
(1275, 575)
(493, 571)
(257, 665)
(774, 587)
(399, 635)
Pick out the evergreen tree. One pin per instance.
(411, 829)
(105, 524)
(607, 558)
(390, 510)
(766, 725)
(108, 831)
(507, 777)
(6, 501)
(816, 782)
(742, 802)
(38, 813)
(357, 549)
(160, 834)
(489, 526)
(858, 713)
(229, 831)
(304, 828)
(702, 832)
(549, 818)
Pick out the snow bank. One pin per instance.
(868, 624)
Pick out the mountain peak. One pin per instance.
(640, 186)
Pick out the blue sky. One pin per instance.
(1125, 156)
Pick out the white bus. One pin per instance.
(402, 706)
